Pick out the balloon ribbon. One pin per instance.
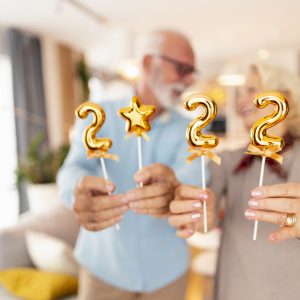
(266, 152)
(198, 152)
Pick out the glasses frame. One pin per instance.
(182, 69)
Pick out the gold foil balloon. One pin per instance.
(258, 134)
(137, 116)
(202, 143)
(261, 143)
(96, 147)
(194, 134)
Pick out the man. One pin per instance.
(144, 259)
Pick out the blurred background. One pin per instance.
(54, 54)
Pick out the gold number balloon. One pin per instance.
(95, 146)
(200, 142)
(194, 134)
(258, 134)
(261, 143)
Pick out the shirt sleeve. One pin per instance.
(76, 165)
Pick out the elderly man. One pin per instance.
(144, 259)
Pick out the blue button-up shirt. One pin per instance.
(145, 254)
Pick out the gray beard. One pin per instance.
(164, 94)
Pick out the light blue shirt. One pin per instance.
(145, 254)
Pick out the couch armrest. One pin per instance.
(59, 222)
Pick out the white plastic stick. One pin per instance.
(204, 188)
(140, 155)
(261, 179)
(102, 161)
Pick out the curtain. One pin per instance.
(29, 98)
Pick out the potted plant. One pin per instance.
(38, 170)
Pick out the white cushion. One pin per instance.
(51, 254)
(59, 222)
(5, 295)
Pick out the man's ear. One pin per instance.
(147, 63)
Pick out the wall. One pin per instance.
(62, 89)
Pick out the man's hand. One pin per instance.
(187, 210)
(93, 205)
(159, 183)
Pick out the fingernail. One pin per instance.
(250, 214)
(273, 238)
(119, 218)
(124, 199)
(189, 232)
(256, 193)
(195, 216)
(109, 187)
(124, 208)
(139, 177)
(203, 196)
(253, 203)
(197, 205)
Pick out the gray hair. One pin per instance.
(152, 42)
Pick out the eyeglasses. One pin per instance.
(182, 69)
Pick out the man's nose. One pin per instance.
(188, 79)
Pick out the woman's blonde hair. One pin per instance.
(281, 80)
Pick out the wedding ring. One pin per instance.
(291, 220)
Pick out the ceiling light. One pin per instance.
(231, 79)
(129, 69)
(263, 54)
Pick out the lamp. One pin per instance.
(230, 75)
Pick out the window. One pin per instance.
(9, 206)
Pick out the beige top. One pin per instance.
(247, 269)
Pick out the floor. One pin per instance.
(199, 287)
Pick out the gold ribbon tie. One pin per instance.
(142, 134)
(99, 154)
(198, 152)
(266, 152)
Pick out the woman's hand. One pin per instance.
(274, 204)
(187, 210)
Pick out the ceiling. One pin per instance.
(218, 28)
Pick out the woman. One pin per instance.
(247, 269)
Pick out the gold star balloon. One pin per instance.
(137, 116)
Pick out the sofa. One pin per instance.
(58, 222)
